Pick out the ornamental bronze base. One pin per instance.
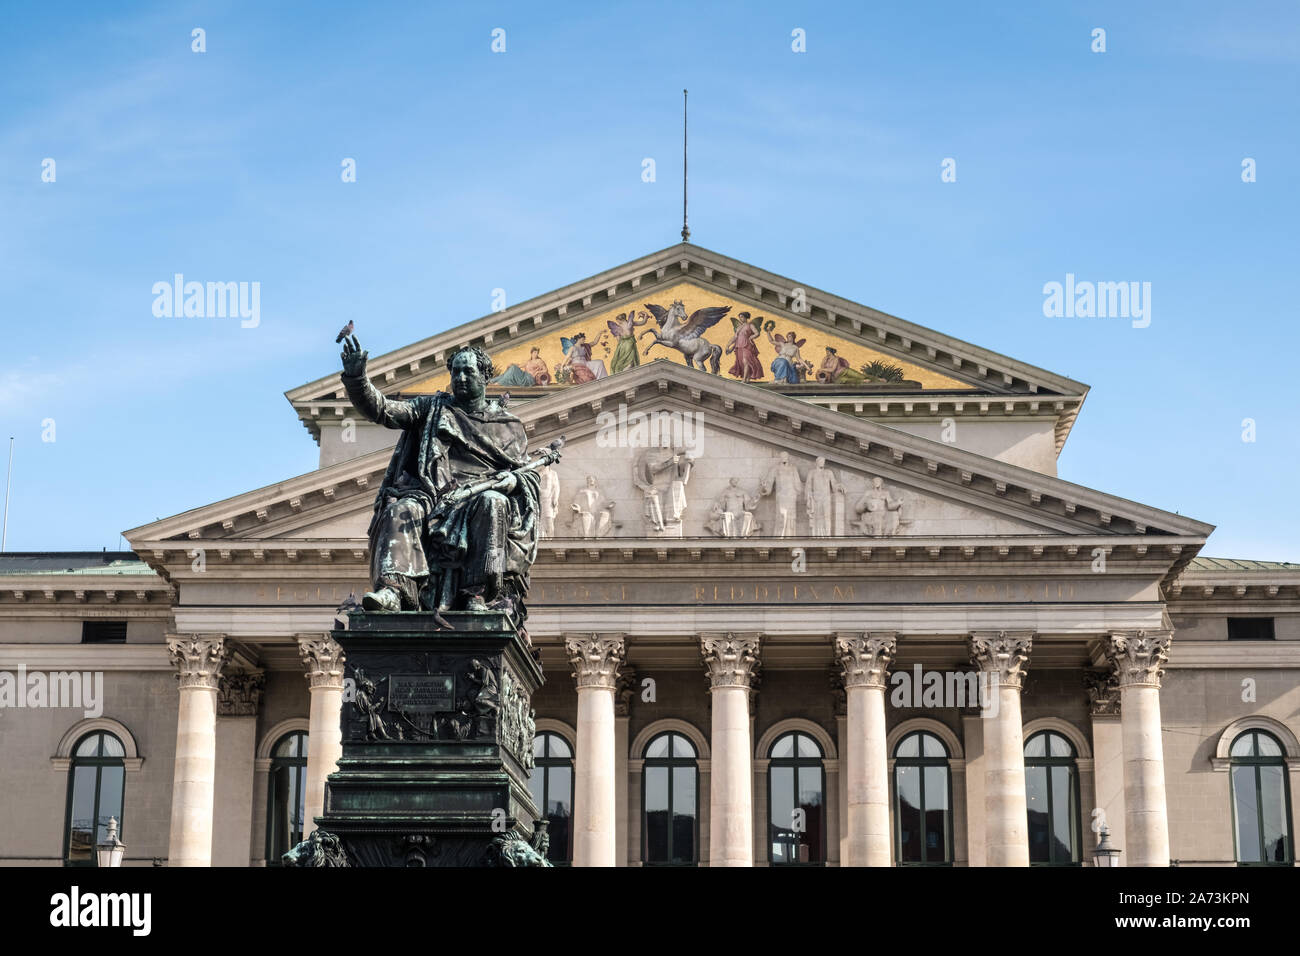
(437, 746)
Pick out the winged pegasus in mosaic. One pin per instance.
(686, 334)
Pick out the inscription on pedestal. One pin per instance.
(422, 693)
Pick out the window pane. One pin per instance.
(1063, 814)
(656, 812)
(781, 813)
(89, 747)
(683, 814)
(783, 748)
(539, 745)
(1273, 800)
(277, 814)
(908, 746)
(298, 804)
(1244, 746)
(112, 746)
(81, 836)
(808, 747)
(682, 747)
(536, 781)
(1039, 825)
(810, 801)
(908, 785)
(287, 746)
(110, 800)
(1060, 746)
(1243, 795)
(559, 810)
(933, 747)
(936, 814)
(1034, 748)
(1266, 746)
(559, 746)
(658, 748)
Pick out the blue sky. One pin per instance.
(522, 170)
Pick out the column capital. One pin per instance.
(198, 658)
(1002, 654)
(865, 657)
(595, 659)
(730, 659)
(1138, 657)
(323, 659)
(1103, 693)
(239, 694)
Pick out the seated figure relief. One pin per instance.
(732, 513)
(879, 510)
(592, 511)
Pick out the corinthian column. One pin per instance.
(198, 663)
(1002, 656)
(732, 662)
(1139, 659)
(323, 660)
(595, 659)
(865, 660)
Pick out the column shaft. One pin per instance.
(594, 793)
(1139, 660)
(865, 661)
(731, 661)
(323, 660)
(731, 820)
(1007, 830)
(1146, 819)
(1002, 656)
(595, 660)
(199, 662)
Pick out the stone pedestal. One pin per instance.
(437, 731)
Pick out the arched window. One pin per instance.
(95, 782)
(796, 798)
(1052, 798)
(670, 795)
(1261, 801)
(551, 784)
(922, 801)
(286, 804)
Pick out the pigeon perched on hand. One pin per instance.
(344, 333)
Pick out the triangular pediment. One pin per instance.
(882, 355)
(736, 430)
(746, 342)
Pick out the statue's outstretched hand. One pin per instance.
(354, 359)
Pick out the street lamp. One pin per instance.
(109, 853)
(1104, 854)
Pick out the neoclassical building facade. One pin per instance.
(810, 592)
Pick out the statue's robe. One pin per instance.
(484, 545)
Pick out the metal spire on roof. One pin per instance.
(686, 230)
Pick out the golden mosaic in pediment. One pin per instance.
(700, 327)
